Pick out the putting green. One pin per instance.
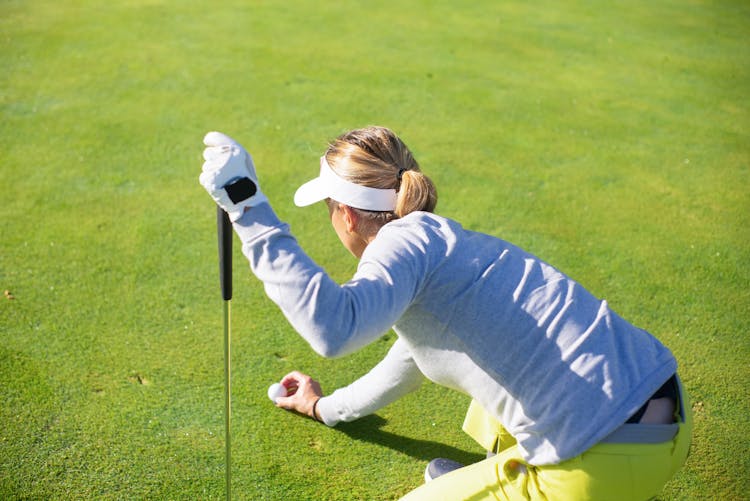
(609, 140)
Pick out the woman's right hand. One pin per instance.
(302, 394)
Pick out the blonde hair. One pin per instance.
(376, 157)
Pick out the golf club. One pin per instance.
(224, 230)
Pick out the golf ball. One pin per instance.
(275, 391)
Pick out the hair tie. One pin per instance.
(400, 174)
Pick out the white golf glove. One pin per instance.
(229, 175)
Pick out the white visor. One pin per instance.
(329, 185)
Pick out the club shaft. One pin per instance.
(227, 399)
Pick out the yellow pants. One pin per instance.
(607, 471)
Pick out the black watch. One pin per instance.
(240, 189)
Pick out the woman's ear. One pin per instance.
(350, 217)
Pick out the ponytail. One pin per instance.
(416, 193)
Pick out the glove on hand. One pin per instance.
(229, 175)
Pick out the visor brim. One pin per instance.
(311, 192)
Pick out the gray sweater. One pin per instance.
(551, 362)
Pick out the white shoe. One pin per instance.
(440, 466)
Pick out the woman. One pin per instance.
(574, 401)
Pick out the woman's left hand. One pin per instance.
(302, 394)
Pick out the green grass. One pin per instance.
(610, 139)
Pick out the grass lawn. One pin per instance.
(611, 139)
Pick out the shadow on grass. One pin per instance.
(367, 429)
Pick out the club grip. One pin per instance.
(224, 231)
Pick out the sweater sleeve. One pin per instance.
(392, 378)
(334, 319)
